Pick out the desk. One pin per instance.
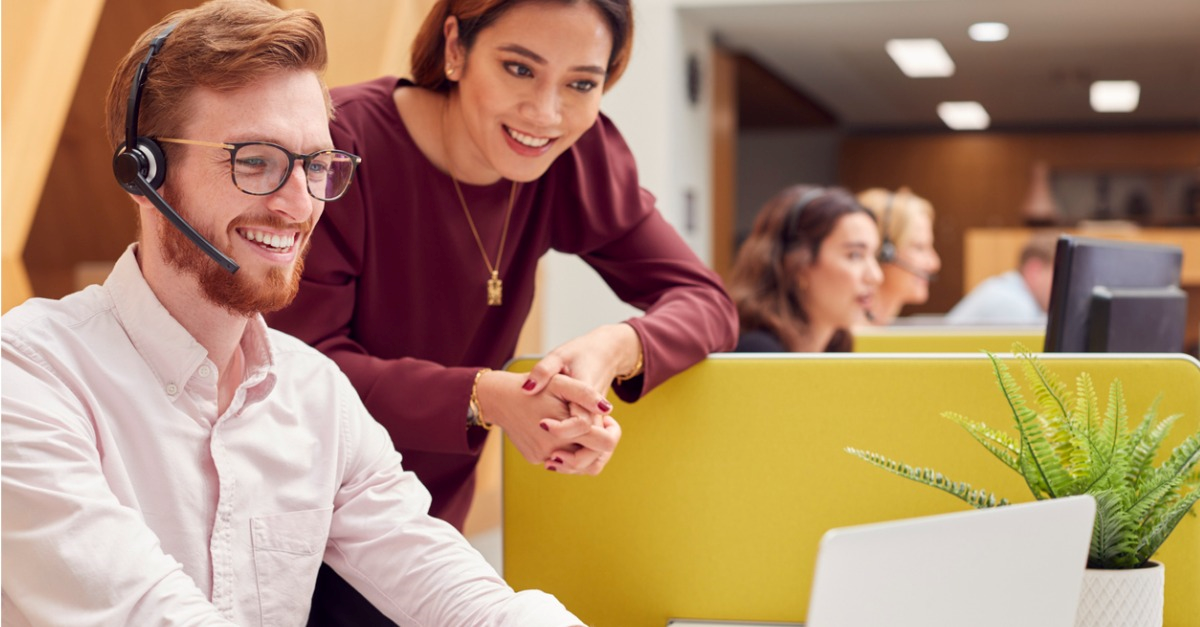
(946, 339)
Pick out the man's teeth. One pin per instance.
(528, 140)
(281, 242)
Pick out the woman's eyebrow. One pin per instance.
(537, 58)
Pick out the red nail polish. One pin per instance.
(551, 469)
(544, 426)
(605, 406)
(529, 385)
(557, 460)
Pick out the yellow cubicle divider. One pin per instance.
(728, 475)
(946, 339)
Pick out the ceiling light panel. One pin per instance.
(988, 31)
(920, 58)
(1115, 96)
(964, 116)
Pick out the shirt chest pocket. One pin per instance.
(288, 549)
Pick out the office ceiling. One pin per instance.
(1039, 78)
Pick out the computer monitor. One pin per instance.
(1115, 296)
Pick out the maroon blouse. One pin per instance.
(394, 288)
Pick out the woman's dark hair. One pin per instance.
(786, 238)
(474, 16)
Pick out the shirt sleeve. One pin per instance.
(416, 569)
(73, 554)
(642, 258)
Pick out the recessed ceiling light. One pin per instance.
(1115, 96)
(964, 116)
(920, 58)
(988, 31)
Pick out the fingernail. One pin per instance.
(557, 460)
(544, 426)
(604, 406)
(529, 385)
(551, 469)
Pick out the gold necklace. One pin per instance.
(495, 287)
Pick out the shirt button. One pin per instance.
(172, 389)
(204, 371)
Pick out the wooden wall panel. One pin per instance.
(45, 44)
(980, 179)
(724, 160)
(83, 215)
(367, 38)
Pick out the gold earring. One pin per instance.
(449, 70)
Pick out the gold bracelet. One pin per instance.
(637, 367)
(476, 412)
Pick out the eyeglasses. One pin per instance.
(262, 168)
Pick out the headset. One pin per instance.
(793, 216)
(887, 247)
(140, 165)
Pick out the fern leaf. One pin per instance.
(1145, 448)
(1139, 455)
(1088, 416)
(1181, 461)
(979, 499)
(1042, 471)
(1118, 415)
(1161, 530)
(1114, 534)
(1048, 389)
(1159, 495)
(996, 442)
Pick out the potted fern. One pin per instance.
(1067, 445)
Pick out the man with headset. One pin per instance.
(167, 458)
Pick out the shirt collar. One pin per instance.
(168, 348)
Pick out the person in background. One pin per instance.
(167, 458)
(494, 153)
(807, 273)
(1017, 297)
(906, 251)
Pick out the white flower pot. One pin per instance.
(1122, 598)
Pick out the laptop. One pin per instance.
(1015, 565)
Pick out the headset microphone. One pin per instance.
(913, 270)
(140, 166)
(887, 248)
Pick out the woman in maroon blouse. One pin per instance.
(422, 276)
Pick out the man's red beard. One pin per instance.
(234, 292)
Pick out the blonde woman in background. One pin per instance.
(906, 252)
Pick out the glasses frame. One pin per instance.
(233, 148)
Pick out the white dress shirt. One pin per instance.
(1001, 299)
(128, 501)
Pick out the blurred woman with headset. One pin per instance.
(906, 253)
(807, 273)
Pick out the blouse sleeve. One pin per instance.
(642, 258)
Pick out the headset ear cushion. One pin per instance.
(147, 161)
(887, 252)
(156, 161)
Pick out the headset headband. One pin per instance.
(139, 83)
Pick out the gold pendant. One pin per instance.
(495, 289)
